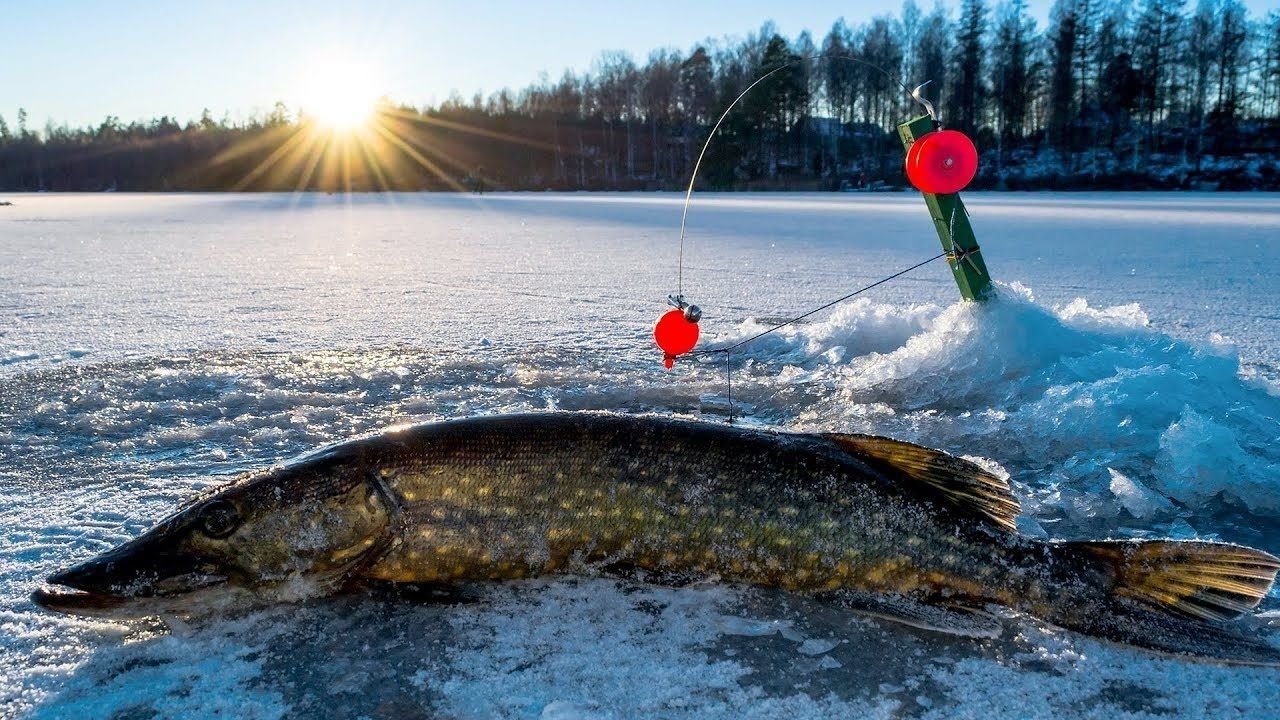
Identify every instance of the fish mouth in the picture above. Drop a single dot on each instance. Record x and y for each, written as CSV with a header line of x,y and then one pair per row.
x,y
81,588
80,602
120,576
62,594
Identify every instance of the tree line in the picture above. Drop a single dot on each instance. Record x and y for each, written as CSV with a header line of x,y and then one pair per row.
x,y
1111,93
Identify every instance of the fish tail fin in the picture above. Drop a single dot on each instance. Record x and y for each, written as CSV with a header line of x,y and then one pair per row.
x,y
1197,580
1173,596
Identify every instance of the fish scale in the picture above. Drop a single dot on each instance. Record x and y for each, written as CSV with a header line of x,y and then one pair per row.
x,y
660,495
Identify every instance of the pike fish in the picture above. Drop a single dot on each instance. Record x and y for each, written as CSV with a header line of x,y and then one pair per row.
x,y
883,527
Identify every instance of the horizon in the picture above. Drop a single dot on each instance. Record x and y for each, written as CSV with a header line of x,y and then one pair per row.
x,y
238,59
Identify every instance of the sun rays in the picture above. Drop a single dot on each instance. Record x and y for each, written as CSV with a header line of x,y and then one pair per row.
x,y
387,148
343,136
346,136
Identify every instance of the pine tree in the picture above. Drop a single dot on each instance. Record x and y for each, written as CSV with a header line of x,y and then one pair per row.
x,y
1097,55
838,71
967,99
1232,31
1012,72
1062,78
1199,59
1270,96
1157,39
780,102
932,48
1119,96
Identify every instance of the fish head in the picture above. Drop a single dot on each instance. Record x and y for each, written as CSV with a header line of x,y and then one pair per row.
x,y
313,522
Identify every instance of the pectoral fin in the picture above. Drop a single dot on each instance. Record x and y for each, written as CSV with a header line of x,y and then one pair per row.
x,y
961,620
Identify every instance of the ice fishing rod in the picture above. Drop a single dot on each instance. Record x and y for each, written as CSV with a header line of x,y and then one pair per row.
x,y
945,168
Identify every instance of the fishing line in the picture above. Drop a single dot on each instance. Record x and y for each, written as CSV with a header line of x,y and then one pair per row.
x,y
693,177
728,350
816,310
688,195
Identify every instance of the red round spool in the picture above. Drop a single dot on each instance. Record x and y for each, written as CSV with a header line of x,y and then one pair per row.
x,y
942,162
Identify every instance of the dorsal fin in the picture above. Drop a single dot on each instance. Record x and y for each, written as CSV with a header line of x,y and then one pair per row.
x,y
964,484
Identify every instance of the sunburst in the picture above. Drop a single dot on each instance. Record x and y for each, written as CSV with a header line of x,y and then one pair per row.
x,y
347,134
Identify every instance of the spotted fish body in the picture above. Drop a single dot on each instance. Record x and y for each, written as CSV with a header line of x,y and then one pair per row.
x,y
882,526
517,496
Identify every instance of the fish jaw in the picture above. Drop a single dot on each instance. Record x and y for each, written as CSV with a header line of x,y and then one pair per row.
x,y
127,575
77,602
212,601
154,564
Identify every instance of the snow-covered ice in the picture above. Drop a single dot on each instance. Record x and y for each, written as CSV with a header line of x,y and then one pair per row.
x,y
151,346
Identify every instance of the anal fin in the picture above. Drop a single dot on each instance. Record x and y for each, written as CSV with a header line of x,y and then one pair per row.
x,y
961,620
421,593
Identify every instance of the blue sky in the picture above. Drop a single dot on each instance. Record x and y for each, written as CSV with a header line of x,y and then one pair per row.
x,y
77,61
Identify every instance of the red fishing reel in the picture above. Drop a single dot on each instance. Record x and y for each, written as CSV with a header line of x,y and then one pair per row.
x,y
942,162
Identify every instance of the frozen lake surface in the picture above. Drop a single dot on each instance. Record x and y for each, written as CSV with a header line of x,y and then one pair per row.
x,y
152,346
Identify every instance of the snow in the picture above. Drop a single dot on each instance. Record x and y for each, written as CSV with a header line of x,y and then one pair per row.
x,y
1125,380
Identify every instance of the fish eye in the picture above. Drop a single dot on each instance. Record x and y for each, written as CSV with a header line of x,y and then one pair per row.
x,y
219,519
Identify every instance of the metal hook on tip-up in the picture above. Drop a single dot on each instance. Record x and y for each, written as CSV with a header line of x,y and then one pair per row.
x,y
920,98
692,313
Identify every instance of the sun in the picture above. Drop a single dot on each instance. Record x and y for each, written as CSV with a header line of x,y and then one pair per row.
x,y
348,132
339,91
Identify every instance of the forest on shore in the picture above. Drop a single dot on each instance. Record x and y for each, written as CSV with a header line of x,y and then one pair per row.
x,y
1110,94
